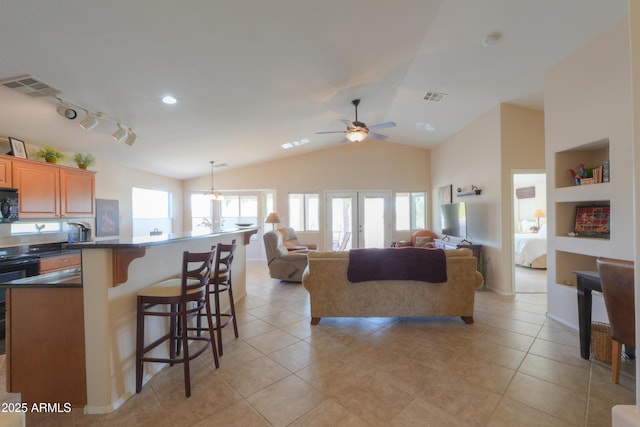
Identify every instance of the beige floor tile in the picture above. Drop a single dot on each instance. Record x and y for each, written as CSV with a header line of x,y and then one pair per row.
x,y
422,413
272,341
239,414
510,413
560,352
562,336
375,401
509,339
255,328
552,399
254,375
556,372
331,375
500,355
296,356
482,373
453,394
406,374
285,401
329,413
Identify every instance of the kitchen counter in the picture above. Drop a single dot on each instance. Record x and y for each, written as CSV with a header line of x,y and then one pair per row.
x,y
69,279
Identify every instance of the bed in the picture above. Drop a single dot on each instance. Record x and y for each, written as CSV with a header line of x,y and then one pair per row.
x,y
530,250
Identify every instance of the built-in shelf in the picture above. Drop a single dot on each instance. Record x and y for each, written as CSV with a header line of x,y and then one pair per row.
x,y
590,155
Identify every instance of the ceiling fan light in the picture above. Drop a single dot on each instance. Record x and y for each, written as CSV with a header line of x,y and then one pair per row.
x,y
120,134
357,135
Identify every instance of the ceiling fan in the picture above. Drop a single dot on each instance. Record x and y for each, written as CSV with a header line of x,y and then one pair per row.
x,y
358,131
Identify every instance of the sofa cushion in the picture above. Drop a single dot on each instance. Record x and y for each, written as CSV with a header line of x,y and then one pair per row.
x,y
408,263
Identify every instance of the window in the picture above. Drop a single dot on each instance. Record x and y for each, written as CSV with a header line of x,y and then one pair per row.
x,y
150,209
239,208
201,212
411,213
304,209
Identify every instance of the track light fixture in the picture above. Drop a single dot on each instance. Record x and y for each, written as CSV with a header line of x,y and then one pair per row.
x,y
65,111
90,121
131,137
120,134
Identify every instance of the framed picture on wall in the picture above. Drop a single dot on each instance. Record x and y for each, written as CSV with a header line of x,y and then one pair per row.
x,y
445,194
593,221
107,218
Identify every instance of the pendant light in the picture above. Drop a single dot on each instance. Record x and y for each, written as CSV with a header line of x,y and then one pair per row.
x,y
212,193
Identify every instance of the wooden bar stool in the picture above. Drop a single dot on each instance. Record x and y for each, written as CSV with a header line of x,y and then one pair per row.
x,y
221,282
185,297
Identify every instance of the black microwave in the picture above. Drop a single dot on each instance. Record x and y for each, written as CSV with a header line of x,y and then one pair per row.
x,y
9,205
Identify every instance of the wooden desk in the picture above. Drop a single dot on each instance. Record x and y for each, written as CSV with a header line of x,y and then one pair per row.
x,y
587,281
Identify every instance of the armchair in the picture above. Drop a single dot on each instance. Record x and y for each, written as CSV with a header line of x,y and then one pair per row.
x,y
283,264
422,238
291,241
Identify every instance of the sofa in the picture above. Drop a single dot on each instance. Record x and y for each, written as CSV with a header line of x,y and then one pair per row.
x,y
333,295
283,264
291,241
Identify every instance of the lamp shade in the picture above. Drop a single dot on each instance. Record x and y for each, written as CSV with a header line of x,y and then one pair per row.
x,y
539,213
272,218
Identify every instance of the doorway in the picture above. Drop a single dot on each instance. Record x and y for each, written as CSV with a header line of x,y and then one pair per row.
x,y
358,219
529,231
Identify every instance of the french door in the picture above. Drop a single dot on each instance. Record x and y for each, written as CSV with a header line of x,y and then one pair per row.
x,y
358,219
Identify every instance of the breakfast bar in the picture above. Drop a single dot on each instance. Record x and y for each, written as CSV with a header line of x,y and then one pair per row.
x,y
113,271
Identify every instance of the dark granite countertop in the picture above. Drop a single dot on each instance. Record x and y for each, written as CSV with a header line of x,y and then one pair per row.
x,y
146,241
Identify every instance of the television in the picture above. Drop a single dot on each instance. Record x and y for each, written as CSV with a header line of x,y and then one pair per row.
x,y
453,219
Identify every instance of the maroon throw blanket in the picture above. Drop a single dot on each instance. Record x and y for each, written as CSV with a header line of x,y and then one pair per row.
x,y
406,263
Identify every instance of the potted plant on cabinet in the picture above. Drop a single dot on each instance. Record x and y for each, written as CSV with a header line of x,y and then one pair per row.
x,y
50,155
84,160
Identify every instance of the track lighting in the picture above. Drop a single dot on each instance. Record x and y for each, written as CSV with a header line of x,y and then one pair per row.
x,y
120,134
90,121
131,138
65,111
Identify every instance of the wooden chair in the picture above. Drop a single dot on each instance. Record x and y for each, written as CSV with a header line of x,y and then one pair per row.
x,y
617,281
184,297
221,282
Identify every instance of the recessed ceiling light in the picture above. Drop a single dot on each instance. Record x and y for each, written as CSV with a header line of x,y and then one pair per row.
x,y
168,99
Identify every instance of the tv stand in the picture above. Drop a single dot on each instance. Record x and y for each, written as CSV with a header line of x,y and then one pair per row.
x,y
446,244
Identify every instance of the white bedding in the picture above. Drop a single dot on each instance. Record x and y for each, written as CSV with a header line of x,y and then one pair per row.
x,y
530,247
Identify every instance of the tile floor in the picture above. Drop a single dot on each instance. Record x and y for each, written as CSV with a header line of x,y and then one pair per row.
x,y
512,367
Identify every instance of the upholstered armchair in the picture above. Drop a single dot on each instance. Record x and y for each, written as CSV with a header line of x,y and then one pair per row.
x,y
291,241
420,238
283,264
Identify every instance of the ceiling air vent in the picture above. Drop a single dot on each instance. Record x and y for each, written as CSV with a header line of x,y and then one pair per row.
x,y
29,86
436,97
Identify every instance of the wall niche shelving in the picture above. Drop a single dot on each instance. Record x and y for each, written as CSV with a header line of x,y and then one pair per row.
x,y
590,155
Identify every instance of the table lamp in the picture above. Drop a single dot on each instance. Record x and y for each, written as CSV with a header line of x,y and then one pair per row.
x,y
538,214
273,219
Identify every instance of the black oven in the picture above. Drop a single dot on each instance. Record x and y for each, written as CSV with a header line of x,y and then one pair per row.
x,y
12,268
8,205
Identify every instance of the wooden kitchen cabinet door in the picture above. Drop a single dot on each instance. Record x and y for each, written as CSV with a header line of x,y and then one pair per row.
x,y
77,189
5,173
38,185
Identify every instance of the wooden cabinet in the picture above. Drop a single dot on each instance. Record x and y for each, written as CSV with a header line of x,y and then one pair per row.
x,y
77,193
59,263
45,359
51,191
38,186
5,173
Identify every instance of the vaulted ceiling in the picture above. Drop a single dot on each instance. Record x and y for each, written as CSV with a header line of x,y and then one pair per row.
x,y
251,75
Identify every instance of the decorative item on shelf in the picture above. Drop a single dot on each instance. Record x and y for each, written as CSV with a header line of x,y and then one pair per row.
x,y
592,221
50,155
593,175
84,160
475,191
273,219
155,232
17,148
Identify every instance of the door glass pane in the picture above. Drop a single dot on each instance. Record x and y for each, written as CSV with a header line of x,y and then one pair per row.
x,y
341,214
373,227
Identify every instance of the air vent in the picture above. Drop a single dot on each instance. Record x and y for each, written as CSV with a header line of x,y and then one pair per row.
x,y
436,97
29,86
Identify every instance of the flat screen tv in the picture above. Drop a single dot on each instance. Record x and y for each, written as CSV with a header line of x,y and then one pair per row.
x,y
453,218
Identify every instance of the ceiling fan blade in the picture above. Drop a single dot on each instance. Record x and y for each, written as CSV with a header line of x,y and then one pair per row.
x,y
346,122
333,131
382,125
377,136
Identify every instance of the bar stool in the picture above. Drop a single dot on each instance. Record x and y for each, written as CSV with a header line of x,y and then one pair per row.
x,y
185,296
221,282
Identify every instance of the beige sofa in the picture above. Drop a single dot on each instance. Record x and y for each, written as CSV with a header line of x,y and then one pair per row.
x,y
332,295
